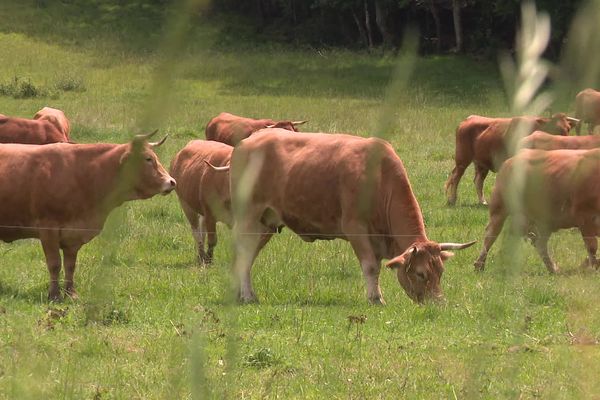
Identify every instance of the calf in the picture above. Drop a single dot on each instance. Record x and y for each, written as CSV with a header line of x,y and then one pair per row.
x,y
559,191
203,193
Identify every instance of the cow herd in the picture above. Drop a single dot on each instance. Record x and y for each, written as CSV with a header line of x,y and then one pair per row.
x,y
258,176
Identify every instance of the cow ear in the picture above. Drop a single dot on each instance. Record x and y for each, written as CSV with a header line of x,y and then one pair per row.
x,y
446,255
403,260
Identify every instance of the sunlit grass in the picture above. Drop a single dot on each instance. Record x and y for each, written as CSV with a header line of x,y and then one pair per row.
x,y
490,339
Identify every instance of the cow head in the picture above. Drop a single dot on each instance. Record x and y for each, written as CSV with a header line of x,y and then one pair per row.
x,y
558,124
420,267
289,125
142,166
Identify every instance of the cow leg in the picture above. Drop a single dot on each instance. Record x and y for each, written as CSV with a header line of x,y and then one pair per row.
x,y
492,231
588,233
196,223
51,247
541,245
249,239
452,183
370,265
480,175
70,256
210,225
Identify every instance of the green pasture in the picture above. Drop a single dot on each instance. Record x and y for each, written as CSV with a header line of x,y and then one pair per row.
x,y
153,324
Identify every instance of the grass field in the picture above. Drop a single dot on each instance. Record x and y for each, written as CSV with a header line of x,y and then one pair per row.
x,y
151,323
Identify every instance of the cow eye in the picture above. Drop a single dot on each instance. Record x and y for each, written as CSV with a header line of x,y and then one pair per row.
x,y
148,159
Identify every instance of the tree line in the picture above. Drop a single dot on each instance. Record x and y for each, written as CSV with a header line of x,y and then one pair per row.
x,y
472,26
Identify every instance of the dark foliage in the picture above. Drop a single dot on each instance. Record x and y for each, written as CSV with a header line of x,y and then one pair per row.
x,y
486,25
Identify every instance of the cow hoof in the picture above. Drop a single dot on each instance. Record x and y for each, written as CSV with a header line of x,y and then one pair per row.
x,y
479,266
554,269
451,203
204,261
54,297
377,301
72,294
251,299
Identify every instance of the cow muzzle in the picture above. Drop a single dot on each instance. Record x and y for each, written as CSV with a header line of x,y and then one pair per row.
x,y
168,186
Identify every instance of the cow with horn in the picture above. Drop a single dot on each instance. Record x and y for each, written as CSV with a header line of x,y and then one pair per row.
x,y
62,194
231,129
360,193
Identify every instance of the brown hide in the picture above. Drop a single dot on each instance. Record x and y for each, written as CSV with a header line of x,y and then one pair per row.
x,y
544,141
203,193
493,145
560,191
466,134
62,193
29,131
587,109
231,129
316,184
57,118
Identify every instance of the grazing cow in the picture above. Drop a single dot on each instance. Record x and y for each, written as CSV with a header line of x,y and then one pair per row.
x,y
494,144
560,191
587,108
30,131
231,129
544,141
56,117
202,192
318,185
62,194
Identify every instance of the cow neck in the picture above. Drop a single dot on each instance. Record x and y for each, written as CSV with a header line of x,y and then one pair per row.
x,y
405,220
108,189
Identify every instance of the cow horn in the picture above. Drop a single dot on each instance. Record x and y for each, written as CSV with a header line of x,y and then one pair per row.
x,y
224,168
571,119
156,144
145,136
456,246
299,122
270,126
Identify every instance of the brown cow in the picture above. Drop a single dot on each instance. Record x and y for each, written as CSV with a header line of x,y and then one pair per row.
x,y
494,144
466,134
202,192
62,194
57,117
587,108
30,131
231,129
544,141
286,180
559,191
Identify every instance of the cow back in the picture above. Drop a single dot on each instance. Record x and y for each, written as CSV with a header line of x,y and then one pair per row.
x,y
197,183
316,183
29,131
